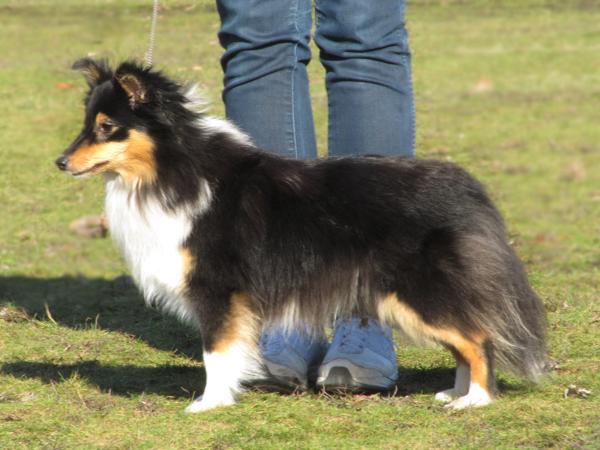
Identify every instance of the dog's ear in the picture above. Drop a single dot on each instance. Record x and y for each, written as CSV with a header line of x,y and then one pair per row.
x,y
94,71
135,81
134,88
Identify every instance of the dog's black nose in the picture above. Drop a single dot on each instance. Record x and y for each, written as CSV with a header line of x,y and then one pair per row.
x,y
61,162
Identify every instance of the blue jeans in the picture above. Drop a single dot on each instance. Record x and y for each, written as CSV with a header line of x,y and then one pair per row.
x,y
364,48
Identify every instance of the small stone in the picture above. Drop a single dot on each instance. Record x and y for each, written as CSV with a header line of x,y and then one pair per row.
x,y
90,226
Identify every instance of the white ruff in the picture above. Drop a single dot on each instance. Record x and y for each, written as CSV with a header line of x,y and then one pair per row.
x,y
151,239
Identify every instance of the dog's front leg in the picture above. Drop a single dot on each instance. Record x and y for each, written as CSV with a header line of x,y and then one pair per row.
x,y
230,353
225,371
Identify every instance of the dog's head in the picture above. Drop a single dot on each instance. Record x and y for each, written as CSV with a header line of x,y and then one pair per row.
x,y
126,111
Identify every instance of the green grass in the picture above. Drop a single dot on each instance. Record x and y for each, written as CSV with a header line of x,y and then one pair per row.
x,y
102,371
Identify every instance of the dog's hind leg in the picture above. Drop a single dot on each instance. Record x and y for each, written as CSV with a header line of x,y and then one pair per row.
x,y
230,355
474,370
474,384
461,380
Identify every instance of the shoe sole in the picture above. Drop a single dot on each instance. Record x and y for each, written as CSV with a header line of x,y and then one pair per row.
x,y
339,379
277,383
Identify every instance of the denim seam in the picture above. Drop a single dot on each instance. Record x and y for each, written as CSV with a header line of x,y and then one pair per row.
x,y
408,67
413,119
413,128
292,83
330,108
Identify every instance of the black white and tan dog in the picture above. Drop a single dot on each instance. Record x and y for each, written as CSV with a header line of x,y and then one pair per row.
x,y
229,237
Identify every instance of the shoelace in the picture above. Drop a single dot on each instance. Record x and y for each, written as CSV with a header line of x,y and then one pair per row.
x,y
353,338
271,343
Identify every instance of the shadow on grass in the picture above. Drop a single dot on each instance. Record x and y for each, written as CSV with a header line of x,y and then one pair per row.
x,y
184,382
429,381
111,304
115,305
168,380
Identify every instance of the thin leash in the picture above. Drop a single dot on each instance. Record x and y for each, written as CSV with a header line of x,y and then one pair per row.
x,y
150,52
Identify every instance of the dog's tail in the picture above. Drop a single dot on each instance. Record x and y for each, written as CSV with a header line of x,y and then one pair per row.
x,y
519,343
526,353
504,305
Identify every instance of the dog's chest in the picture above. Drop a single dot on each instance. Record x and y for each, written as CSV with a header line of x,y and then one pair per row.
x,y
151,240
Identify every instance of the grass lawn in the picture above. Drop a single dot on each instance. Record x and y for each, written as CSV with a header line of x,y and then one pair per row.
x,y
511,90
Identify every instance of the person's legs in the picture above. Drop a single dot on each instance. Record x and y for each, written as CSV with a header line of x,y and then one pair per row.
x,y
267,95
364,48
266,85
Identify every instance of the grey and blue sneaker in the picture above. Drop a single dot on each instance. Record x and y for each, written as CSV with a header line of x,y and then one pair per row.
x,y
361,357
288,359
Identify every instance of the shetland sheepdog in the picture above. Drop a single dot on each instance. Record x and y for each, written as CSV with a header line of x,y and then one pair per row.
x,y
229,237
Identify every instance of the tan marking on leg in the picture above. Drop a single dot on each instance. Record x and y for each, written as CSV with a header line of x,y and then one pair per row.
x,y
469,348
240,324
189,262
396,313
474,354
233,357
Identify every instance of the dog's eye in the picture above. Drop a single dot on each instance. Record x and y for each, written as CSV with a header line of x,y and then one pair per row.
x,y
106,127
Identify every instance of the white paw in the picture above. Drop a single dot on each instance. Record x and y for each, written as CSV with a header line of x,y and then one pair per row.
x,y
446,396
204,403
471,400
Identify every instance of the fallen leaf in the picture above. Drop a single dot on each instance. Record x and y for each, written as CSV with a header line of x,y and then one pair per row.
x,y
553,364
146,406
4,397
440,150
8,417
27,396
363,396
575,171
13,315
483,85
574,391
62,85
544,237
24,236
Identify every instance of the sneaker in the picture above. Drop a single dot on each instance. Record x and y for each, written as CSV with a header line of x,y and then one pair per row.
x,y
361,357
288,359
